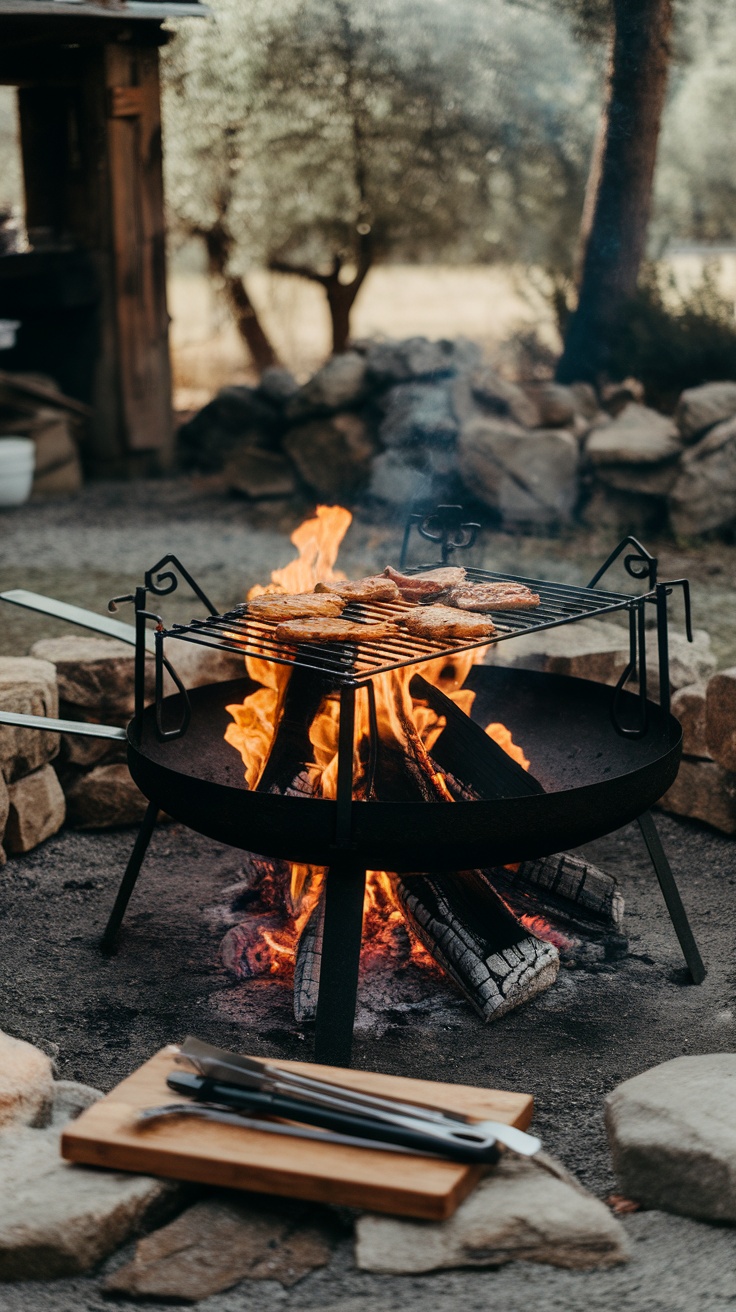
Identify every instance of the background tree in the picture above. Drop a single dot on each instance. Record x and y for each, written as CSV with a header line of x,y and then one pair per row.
x,y
321,136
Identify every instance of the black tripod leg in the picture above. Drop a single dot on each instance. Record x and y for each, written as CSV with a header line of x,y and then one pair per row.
x,y
127,884
671,895
338,975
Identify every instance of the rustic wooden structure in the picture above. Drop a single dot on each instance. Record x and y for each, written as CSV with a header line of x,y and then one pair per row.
x,y
90,291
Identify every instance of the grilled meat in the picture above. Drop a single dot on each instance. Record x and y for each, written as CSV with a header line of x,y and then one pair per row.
x,y
370,589
439,623
422,587
491,596
334,630
294,606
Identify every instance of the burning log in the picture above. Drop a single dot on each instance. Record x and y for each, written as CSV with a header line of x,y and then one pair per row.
x,y
568,889
247,950
307,964
474,937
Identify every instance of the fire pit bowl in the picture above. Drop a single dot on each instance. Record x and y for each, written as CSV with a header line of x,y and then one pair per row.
x,y
595,781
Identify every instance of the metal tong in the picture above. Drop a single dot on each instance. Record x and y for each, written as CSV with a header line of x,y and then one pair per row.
x,y
230,1082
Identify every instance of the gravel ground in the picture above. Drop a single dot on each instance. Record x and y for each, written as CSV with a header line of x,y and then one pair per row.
x,y
101,1017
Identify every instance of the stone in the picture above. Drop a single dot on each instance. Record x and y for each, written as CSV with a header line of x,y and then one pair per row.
x,y
78,750
597,650
418,414
672,1134
332,455
688,706
338,385
277,385
689,662
197,666
615,396
106,798
53,440
58,1219
699,408
220,1241
623,512
637,436
704,496
26,1084
237,417
526,1209
492,394
37,810
720,718
63,481
586,400
528,476
555,403
703,791
260,475
392,362
96,675
396,481
27,687
71,1099
656,480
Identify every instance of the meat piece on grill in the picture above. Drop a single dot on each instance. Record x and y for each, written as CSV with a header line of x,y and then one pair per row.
x,y
370,589
334,630
439,623
491,596
294,606
422,587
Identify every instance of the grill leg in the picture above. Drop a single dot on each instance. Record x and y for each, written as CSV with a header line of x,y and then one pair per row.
x,y
671,894
127,884
338,976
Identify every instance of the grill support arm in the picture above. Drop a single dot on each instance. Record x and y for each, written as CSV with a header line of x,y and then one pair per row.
x,y
671,895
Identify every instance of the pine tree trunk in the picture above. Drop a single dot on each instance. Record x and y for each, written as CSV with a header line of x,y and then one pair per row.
x,y
249,326
618,231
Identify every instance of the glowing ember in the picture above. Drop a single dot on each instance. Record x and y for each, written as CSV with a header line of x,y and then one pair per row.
x,y
400,719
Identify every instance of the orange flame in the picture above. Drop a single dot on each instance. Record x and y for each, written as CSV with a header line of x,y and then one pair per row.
x,y
399,719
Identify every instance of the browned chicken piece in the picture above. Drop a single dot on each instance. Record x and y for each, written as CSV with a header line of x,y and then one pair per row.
x,y
424,586
491,596
370,589
333,630
439,623
294,606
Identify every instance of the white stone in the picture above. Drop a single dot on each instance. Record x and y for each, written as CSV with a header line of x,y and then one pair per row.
x,y
27,687
528,476
339,383
37,810
58,1219
637,436
699,408
26,1083
672,1132
525,1209
704,496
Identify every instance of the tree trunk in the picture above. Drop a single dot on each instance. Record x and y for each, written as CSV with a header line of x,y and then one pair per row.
x,y
340,298
262,353
618,231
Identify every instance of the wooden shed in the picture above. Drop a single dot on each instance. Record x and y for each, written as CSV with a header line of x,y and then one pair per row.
x,y
90,290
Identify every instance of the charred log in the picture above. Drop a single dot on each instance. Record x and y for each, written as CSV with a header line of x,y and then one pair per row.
x,y
247,949
474,937
307,964
568,889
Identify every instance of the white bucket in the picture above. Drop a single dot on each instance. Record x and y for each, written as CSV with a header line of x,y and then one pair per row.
x,y
17,462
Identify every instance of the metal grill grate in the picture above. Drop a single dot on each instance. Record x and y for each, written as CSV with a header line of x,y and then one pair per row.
x,y
355,662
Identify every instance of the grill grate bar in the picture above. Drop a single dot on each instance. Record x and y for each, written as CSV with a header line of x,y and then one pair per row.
x,y
238,632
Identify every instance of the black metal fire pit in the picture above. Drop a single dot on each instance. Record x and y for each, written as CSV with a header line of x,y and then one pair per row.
x,y
600,757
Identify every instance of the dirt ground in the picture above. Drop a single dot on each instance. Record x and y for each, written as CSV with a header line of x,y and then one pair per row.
x,y
102,1016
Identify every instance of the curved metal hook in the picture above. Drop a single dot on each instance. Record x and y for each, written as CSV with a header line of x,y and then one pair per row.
x,y
640,564
162,661
161,581
637,632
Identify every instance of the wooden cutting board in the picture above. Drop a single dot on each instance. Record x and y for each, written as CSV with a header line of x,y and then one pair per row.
x,y
399,1183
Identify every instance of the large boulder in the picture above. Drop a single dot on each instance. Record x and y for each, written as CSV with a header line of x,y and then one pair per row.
x,y
672,1133
333,456
703,791
106,798
688,706
720,718
37,810
699,408
260,475
397,481
556,404
527,476
531,1210
27,687
277,386
637,436
704,495
338,385
26,1084
95,675
418,414
612,510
